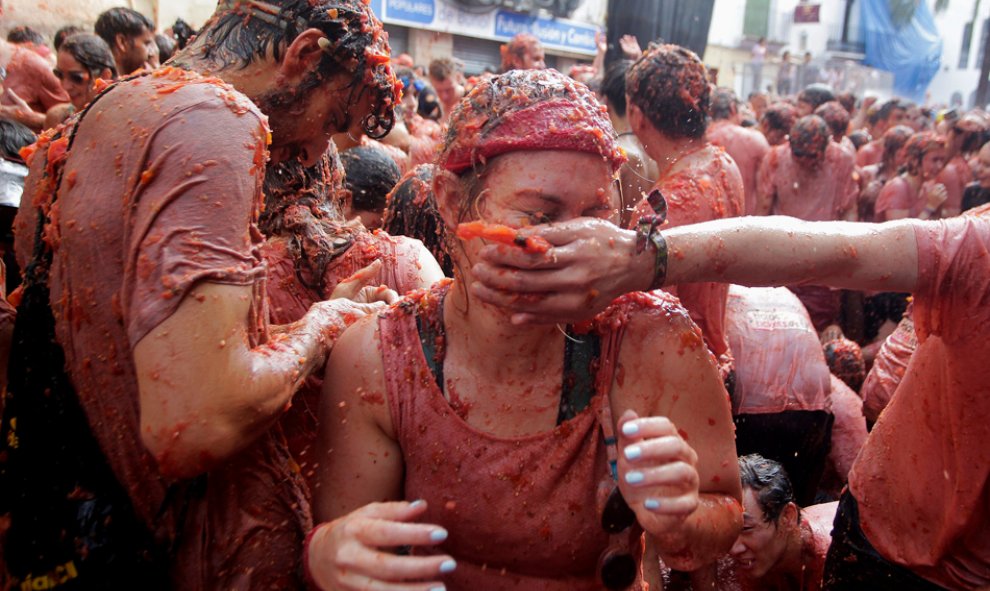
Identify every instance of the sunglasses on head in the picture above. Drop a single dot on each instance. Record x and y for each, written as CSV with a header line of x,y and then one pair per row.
x,y
74,77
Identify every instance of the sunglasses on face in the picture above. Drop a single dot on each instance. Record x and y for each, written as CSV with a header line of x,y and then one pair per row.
x,y
74,77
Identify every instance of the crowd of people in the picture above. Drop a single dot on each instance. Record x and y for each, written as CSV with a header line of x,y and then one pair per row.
x,y
282,310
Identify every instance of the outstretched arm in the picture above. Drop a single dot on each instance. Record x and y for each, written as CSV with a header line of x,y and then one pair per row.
x,y
592,261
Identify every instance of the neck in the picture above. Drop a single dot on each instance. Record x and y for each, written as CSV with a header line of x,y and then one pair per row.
x,y
791,565
487,335
666,152
252,80
620,124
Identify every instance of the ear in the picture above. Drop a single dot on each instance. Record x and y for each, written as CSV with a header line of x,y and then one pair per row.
x,y
106,74
121,42
303,54
635,116
447,188
789,514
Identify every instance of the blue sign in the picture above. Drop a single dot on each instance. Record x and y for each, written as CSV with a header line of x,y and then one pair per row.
x,y
413,11
376,7
567,34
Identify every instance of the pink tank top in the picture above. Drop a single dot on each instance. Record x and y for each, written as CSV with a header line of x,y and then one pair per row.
x,y
521,512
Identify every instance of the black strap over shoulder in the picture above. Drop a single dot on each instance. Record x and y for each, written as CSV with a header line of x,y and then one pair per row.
x,y
580,356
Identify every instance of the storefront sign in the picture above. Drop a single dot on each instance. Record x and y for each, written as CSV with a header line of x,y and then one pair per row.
x,y
497,25
807,13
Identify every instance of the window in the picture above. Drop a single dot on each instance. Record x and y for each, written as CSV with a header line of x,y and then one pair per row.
x,y
756,18
983,41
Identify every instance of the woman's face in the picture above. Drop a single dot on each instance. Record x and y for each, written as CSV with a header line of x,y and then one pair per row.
x,y
536,187
932,163
75,79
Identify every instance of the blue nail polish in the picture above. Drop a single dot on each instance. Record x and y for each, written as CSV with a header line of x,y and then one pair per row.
x,y
438,535
630,429
448,566
634,477
651,504
440,588
633,452
417,504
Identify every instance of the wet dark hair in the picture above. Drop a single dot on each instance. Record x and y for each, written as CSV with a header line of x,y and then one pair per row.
x,y
894,140
121,21
809,136
182,32
669,83
64,33
836,117
244,33
885,111
301,205
859,138
25,34
614,86
369,174
166,47
816,95
769,482
13,137
724,103
91,52
427,104
411,211
780,116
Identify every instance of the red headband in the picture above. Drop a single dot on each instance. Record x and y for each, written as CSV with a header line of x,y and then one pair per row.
x,y
554,124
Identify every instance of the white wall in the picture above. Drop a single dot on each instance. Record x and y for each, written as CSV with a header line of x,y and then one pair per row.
x,y
950,78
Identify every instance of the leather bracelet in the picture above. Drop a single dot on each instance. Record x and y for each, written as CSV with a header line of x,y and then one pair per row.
x,y
648,232
660,261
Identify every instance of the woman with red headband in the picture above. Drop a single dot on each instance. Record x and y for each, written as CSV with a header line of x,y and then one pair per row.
x,y
521,457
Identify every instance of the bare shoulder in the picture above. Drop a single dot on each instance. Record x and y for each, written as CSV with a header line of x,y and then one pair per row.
x,y
355,375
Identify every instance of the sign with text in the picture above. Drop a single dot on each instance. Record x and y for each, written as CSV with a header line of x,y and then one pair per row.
x,y
497,25
807,13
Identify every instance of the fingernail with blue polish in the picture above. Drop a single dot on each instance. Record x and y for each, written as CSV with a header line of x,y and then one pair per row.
x,y
630,429
633,452
440,588
438,535
448,566
651,504
634,477
417,504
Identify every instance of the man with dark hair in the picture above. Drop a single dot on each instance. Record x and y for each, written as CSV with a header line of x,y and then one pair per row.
x,y
890,114
812,97
668,101
781,546
746,146
810,177
837,118
158,290
369,175
639,172
131,37
447,78
777,121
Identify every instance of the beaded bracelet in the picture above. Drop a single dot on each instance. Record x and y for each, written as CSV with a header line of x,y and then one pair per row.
x,y
648,232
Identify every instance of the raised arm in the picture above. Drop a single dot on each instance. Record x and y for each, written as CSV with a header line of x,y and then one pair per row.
x,y
677,464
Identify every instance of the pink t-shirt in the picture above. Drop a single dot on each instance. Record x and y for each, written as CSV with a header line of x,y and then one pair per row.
x,y
815,194
161,191
899,194
923,478
31,77
710,192
779,361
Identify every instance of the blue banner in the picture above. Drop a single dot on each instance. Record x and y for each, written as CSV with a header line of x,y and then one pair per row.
x,y
570,35
912,51
376,7
412,11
